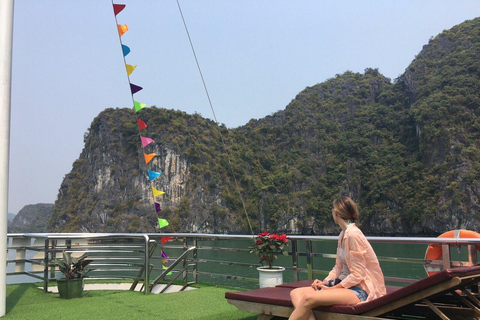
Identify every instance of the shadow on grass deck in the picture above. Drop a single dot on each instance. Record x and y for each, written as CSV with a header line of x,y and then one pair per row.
x,y
26,301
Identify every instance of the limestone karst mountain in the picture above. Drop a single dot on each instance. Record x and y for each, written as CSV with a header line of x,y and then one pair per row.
x,y
407,150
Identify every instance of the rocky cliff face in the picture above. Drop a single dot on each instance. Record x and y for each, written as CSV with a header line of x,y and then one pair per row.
x,y
108,189
408,152
32,218
442,84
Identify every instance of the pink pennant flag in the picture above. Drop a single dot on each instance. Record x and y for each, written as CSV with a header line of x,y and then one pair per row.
x,y
146,141
117,8
141,125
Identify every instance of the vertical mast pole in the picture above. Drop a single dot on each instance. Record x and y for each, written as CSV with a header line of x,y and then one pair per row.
x,y
6,40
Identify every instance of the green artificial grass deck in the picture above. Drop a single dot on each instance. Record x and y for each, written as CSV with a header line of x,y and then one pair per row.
x,y
26,301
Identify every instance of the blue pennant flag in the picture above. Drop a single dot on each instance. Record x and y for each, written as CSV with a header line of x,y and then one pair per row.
x,y
153,175
126,50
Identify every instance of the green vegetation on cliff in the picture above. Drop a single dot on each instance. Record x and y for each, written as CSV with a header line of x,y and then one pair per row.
x,y
408,151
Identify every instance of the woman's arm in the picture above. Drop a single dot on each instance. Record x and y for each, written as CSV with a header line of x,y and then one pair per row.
x,y
337,268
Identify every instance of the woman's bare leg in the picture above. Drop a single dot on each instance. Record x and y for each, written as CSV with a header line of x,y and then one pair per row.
x,y
303,309
297,294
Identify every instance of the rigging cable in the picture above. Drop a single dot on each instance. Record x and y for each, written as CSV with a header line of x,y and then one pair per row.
x,y
215,118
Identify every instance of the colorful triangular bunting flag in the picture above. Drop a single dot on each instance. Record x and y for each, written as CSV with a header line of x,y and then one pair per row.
x,y
135,88
149,157
156,192
157,207
122,28
117,8
165,240
162,223
165,268
152,175
126,50
141,125
146,141
130,69
139,106
165,257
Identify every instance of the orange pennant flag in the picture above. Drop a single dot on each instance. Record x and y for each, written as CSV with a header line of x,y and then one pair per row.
x,y
149,157
130,69
122,28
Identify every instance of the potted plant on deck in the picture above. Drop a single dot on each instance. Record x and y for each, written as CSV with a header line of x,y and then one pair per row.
x,y
74,270
268,246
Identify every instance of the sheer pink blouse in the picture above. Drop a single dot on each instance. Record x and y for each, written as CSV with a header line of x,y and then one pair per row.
x,y
362,261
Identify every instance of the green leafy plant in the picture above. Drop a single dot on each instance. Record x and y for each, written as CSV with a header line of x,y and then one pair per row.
x,y
267,246
73,268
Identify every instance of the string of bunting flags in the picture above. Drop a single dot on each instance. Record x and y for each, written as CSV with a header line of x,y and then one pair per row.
x,y
145,141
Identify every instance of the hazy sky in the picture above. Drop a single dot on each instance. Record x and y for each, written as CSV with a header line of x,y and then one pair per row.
x,y
256,57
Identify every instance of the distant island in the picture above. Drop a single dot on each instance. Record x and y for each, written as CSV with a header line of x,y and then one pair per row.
x,y
31,218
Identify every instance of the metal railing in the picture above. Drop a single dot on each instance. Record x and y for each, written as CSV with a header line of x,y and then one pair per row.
x,y
213,256
111,260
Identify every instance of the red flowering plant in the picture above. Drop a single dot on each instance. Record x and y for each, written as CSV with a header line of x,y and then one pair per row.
x,y
267,246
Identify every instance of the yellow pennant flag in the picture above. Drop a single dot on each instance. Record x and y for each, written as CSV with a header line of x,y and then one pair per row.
x,y
122,28
130,69
157,192
149,157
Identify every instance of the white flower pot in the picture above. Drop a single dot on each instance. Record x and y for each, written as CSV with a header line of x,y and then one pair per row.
x,y
270,277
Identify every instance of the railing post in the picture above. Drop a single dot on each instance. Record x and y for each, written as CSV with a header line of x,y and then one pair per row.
x,y
45,267
295,260
308,245
53,255
185,247
472,254
446,256
20,245
147,265
195,244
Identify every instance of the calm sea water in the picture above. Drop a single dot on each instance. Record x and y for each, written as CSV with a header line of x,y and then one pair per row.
x,y
322,266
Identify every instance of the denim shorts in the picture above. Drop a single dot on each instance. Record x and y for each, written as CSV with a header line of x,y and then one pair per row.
x,y
361,294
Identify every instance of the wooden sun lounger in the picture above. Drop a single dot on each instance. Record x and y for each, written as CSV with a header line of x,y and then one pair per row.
x,y
448,295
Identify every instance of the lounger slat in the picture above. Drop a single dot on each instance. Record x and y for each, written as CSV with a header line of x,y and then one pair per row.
x,y
437,311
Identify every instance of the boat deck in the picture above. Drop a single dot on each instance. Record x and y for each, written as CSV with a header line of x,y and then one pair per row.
x,y
26,301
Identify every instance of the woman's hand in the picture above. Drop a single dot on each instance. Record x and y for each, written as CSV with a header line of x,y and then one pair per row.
x,y
317,284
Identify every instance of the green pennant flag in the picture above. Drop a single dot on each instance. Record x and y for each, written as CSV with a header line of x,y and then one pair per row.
x,y
139,106
165,268
162,223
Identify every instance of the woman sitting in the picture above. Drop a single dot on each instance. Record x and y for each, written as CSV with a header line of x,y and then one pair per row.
x,y
356,276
